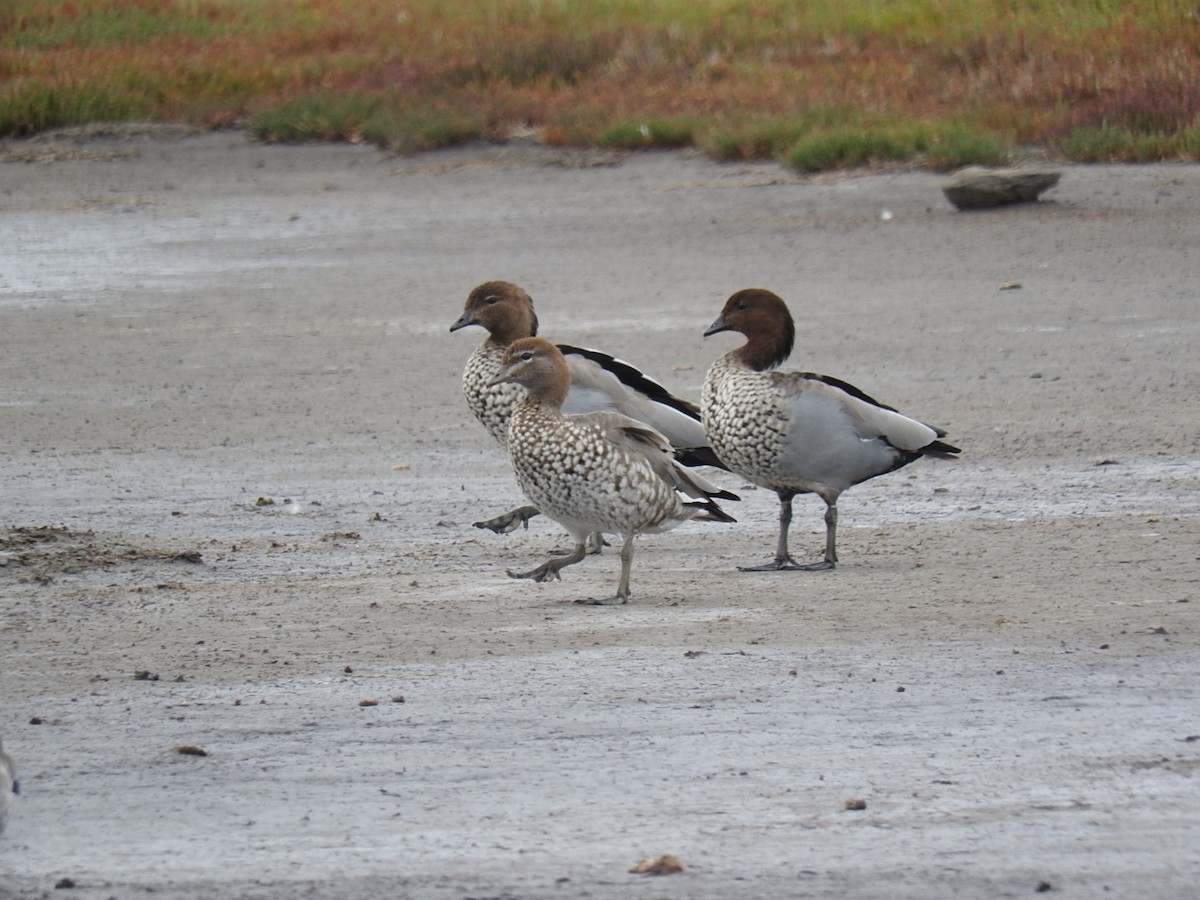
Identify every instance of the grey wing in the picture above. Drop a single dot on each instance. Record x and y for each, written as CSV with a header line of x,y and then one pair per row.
x,y
866,420
597,388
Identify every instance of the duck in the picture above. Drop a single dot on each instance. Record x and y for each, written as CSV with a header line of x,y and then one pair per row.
x,y
799,432
8,785
593,472
599,383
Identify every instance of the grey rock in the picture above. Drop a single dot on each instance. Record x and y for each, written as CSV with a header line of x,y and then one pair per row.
x,y
976,187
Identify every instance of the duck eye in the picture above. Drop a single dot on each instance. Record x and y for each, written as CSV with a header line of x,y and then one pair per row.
x,y
527,355
491,299
741,304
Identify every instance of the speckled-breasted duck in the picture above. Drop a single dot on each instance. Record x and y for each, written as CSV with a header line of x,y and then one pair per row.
x,y
599,383
596,472
797,432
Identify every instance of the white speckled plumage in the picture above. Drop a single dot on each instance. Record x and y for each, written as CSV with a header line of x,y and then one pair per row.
x,y
493,405
599,383
797,432
596,472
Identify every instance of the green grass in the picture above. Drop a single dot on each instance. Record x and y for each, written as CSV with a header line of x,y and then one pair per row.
x,y
41,107
850,148
819,84
648,134
319,117
1110,143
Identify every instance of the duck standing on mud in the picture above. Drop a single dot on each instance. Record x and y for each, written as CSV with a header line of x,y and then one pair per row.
x,y
797,432
599,383
598,472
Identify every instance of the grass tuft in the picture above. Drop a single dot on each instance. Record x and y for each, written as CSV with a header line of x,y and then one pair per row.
x,y
849,148
648,134
430,130
316,117
28,107
955,145
760,141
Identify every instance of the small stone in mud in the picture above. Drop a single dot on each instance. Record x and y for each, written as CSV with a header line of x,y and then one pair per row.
x,y
856,804
144,675
64,883
368,702
341,535
264,501
667,864
398,698
190,750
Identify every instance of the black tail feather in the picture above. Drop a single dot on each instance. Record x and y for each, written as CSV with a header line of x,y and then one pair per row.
x,y
710,512
699,456
941,450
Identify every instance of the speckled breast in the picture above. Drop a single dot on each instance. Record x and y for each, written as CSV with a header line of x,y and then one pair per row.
x,y
575,476
744,420
492,406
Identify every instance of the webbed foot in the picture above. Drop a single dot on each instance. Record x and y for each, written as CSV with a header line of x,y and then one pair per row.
x,y
510,521
547,571
787,564
608,601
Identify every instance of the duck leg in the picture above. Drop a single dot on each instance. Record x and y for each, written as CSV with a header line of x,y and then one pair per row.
x,y
623,585
595,546
783,561
519,517
830,560
548,570
510,521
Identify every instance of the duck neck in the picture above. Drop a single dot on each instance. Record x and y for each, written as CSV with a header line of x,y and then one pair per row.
x,y
763,353
550,395
520,323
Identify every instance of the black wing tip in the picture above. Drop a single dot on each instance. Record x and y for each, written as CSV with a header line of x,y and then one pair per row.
x,y
635,378
699,456
708,511
850,389
942,450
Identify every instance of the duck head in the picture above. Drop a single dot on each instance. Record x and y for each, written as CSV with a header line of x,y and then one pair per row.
x,y
765,321
501,307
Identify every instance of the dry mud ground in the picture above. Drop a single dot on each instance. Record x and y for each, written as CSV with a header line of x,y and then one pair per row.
x,y
1005,668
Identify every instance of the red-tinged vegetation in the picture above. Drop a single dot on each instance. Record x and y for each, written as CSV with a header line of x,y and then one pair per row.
x,y
737,78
